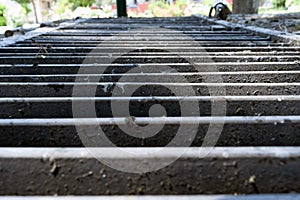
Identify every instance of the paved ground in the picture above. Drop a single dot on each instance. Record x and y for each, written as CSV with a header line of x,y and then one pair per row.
x,y
282,22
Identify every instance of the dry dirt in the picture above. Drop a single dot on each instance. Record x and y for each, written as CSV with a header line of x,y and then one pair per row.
x,y
289,22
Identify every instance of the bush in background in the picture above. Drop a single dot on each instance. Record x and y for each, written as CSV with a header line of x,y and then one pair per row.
x,y
2,18
279,3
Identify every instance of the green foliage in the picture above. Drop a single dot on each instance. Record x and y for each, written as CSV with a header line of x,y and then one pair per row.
x,y
208,2
19,19
105,2
2,18
18,23
162,9
278,3
26,8
290,6
23,1
159,3
81,3
2,9
63,6
24,4
15,16
289,3
181,3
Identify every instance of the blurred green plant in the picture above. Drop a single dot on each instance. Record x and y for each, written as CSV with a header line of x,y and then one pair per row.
x,y
290,3
63,6
80,3
162,9
181,3
2,18
14,16
24,4
290,6
279,3
208,2
158,4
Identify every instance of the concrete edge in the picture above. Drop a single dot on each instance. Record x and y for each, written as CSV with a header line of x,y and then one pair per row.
x,y
37,32
275,35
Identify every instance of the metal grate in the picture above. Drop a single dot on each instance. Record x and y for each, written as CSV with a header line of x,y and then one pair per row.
x,y
257,147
